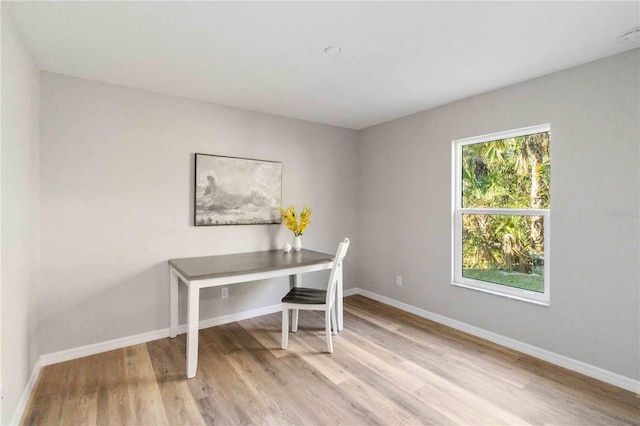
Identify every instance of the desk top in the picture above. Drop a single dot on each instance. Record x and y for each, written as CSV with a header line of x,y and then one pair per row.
x,y
200,268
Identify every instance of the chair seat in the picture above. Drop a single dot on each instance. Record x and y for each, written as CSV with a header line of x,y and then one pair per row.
x,y
310,296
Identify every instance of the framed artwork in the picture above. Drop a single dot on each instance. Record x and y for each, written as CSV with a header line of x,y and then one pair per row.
x,y
236,191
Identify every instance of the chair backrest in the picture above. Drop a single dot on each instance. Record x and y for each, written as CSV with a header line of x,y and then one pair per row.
x,y
336,272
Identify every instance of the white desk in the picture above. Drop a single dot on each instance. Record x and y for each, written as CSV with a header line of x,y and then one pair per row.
x,y
213,271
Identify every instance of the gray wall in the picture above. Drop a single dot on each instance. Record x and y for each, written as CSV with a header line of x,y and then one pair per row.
x,y
117,195
20,228
405,202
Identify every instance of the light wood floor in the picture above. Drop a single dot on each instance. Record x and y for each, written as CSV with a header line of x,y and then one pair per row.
x,y
388,367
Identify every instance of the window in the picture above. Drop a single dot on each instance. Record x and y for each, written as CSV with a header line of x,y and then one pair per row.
x,y
501,211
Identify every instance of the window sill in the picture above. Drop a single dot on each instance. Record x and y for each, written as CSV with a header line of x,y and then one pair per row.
x,y
507,295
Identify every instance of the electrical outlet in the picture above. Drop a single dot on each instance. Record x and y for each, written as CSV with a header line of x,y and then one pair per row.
x,y
398,280
224,292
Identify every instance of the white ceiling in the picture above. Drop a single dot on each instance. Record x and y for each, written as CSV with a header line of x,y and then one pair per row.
x,y
397,57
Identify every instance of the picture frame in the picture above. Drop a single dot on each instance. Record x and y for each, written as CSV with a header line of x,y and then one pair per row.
x,y
236,191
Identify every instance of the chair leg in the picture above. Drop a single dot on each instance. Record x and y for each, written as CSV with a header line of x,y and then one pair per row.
x,y
285,327
334,321
294,320
327,326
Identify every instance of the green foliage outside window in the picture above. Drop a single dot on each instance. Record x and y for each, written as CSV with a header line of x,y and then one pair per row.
x,y
509,173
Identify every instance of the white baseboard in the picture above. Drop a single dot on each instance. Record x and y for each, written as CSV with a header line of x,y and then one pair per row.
x,y
96,348
24,399
543,354
350,292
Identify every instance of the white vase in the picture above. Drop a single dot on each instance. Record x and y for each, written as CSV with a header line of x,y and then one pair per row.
x,y
297,243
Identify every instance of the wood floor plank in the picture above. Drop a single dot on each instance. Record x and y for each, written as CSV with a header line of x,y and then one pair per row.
x,y
388,367
280,373
179,403
144,392
379,361
394,390
386,323
379,404
46,402
228,390
81,403
261,329
460,363
279,405
114,403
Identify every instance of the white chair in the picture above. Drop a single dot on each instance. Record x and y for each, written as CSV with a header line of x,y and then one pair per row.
x,y
316,300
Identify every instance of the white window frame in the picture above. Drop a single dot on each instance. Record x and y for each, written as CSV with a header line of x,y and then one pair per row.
x,y
457,211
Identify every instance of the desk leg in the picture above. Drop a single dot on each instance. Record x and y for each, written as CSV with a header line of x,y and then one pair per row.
x,y
339,296
193,315
294,281
173,303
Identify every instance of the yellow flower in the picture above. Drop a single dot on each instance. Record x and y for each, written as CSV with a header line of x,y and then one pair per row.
x,y
291,219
